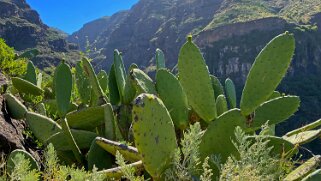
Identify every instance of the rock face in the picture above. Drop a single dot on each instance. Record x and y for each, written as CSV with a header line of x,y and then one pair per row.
x,y
22,29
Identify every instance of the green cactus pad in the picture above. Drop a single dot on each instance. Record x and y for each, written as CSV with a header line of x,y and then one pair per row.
x,y
171,92
124,119
275,111
281,147
31,74
98,157
267,72
305,128
114,96
103,80
129,153
221,105
82,138
63,88
230,92
154,133
89,70
221,132
109,120
120,73
196,81
314,176
14,107
11,165
143,83
26,87
217,86
117,173
160,59
41,109
83,84
304,169
86,119
42,127
303,137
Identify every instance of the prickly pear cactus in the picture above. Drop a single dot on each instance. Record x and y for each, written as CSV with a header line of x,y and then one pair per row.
x,y
303,137
130,153
305,128
304,169
11,165
269,68
103,80
109,122
120,73
217,86
82,138
196,81
26,87
86,119
124,117
39,80
83,84
31,75
114,96
220,132
89,70
221,105
314,176
173,96
143,83
41,126
63,88
230,92
154,133
160,59
15,108
274,111
98,157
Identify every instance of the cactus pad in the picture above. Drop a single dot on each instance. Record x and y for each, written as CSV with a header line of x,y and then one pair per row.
x,y
26,87
143,83
196,81
314,176
173,96
82,138
120,73
114,96
303,137
103,80
154,133
275,111
41,126
15,108
86,119
83,84
304,169
129,153
160,59
217,86
11,165
98,157
221,105
63,88
31,74
230,93
267,72
221,132
305,128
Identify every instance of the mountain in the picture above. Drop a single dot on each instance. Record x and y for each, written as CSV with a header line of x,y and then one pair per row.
x,y
22,28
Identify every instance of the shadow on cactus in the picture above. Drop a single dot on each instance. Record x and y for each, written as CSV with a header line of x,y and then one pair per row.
x,y
169,128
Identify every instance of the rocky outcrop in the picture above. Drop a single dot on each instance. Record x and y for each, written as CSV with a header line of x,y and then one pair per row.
x,y
22,29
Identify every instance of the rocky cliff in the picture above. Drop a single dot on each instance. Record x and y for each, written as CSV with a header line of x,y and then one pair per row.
x,y
22,28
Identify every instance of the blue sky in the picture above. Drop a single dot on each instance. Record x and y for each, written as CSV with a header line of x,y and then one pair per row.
x,y
70,15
